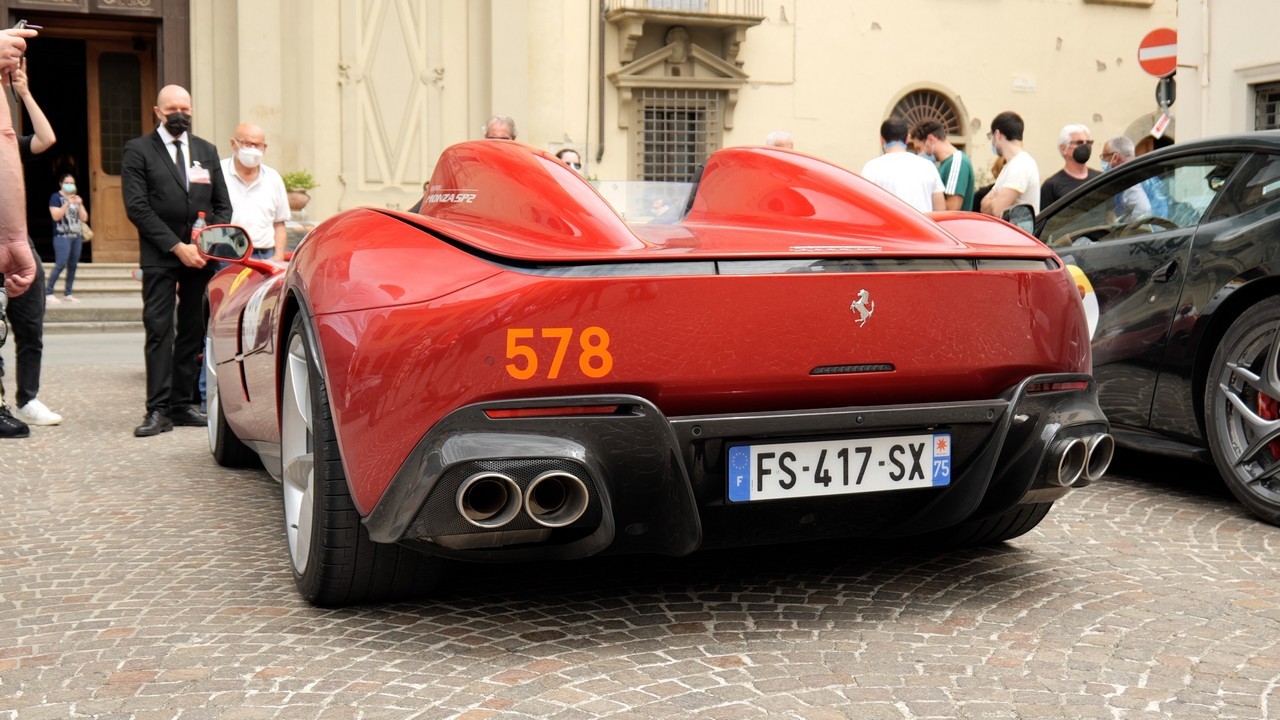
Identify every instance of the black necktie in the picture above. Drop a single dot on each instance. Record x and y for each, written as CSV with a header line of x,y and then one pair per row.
x,y
181,162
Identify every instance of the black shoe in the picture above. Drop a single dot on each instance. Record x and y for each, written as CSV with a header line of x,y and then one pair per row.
x,y
154,423
10,426
188,415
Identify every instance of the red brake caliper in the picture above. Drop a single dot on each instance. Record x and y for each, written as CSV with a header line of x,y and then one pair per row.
x,y
1269,409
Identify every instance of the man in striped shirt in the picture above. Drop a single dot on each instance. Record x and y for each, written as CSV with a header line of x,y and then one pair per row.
x,y
929,140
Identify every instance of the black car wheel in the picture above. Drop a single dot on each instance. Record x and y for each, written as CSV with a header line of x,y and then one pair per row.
x,y
227,448
334,560
1242,409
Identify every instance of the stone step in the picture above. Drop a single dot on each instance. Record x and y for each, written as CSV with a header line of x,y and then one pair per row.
x,y
94,311
110,300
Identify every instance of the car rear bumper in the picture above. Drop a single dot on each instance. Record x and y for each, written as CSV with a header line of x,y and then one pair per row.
x,y
654,484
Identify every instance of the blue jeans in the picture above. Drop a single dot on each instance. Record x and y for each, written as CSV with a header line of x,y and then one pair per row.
x,y
66,254
264,253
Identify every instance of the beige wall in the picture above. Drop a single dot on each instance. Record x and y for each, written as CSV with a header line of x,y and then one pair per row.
x,y
366,98
1224,48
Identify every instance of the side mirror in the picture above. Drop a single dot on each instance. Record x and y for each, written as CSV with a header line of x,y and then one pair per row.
x,y
1021,217
224,242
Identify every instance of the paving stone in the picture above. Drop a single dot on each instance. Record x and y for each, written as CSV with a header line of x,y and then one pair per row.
x,y
140,580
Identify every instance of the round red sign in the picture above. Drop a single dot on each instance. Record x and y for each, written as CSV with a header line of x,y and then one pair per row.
x,y
1158,52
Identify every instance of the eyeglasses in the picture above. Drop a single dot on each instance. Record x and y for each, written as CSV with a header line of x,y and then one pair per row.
x,y
575,166
251,145
1074,143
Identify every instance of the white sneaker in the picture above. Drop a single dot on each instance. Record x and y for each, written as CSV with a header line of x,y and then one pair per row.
x,y
35,413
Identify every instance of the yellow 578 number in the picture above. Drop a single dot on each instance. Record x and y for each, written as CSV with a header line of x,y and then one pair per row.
x,y
594,359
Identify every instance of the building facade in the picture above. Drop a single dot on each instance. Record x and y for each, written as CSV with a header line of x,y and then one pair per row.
x,y
1228,67
365,94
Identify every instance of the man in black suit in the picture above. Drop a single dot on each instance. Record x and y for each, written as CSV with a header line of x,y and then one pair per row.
x,y
169,176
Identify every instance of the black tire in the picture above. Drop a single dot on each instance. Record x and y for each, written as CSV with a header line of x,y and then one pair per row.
x,y
340,564
1019,520
227,448
1243,433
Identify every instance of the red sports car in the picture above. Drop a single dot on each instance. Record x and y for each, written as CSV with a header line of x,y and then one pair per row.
x,y
519,374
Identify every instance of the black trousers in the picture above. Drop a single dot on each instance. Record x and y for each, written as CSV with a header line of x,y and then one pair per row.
x,y
174,321
26,321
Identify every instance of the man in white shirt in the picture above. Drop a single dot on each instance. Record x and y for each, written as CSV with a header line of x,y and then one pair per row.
x,y
260,204
907,175
1019,181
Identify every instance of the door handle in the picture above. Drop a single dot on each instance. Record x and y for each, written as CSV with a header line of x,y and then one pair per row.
x,y
1165,272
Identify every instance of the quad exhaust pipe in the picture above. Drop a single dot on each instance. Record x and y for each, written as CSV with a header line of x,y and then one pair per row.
x,y
554,499
1080,461
1102,447
489,499
1071,455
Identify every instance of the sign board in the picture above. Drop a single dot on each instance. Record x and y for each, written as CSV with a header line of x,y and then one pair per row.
x,y
1158,52
1161,125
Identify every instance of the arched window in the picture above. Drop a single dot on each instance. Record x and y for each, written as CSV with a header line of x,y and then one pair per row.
x,y
919,105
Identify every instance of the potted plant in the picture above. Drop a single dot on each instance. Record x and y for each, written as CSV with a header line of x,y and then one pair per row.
x,y
297,183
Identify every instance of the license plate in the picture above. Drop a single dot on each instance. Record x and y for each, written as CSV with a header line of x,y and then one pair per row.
x,y
780,471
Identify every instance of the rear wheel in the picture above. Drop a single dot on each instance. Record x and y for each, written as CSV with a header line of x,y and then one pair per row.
x,y
1242,409
334,560
227,448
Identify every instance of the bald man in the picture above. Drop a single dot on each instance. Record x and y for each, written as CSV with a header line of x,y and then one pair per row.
x,y
169,176
258,198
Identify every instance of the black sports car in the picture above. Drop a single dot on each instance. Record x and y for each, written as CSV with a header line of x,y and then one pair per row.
x,y
1178,252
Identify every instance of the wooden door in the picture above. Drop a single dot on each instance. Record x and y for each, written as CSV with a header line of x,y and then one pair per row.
x,y
122,91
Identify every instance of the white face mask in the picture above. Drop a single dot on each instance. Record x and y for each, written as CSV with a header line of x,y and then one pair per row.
x,y
249,157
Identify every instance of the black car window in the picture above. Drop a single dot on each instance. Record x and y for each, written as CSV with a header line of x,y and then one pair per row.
x,y
1166,196
1258,184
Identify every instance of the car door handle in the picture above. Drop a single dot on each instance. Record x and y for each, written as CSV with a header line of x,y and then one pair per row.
x,y
1165,272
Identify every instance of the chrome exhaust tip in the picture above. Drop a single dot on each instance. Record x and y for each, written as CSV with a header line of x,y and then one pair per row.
x,y
1102,448
488,499
556,498
1072,455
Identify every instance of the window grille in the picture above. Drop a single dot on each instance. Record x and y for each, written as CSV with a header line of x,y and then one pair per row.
x,y
1267,107
921,105
678,130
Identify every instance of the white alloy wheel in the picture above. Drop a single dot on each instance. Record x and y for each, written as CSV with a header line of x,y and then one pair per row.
x,y
211,393
297,453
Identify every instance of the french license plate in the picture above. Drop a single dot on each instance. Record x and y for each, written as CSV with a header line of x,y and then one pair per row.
x,y
779,471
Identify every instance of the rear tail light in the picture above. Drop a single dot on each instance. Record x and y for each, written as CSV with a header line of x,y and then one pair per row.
x,y
537,412
1044,387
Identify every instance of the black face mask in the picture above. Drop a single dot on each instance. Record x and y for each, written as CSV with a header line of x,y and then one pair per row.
x,y
177,123
1081,153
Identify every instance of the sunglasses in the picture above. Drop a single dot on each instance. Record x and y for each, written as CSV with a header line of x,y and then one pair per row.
x,y
575,166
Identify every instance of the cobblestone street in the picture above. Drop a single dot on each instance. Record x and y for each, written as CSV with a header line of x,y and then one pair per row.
x,y
140,580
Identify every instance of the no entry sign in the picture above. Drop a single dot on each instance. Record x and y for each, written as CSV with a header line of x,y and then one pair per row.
x,y
1158,52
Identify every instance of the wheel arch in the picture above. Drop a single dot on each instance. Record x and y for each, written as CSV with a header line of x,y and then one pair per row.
x,y
1226,311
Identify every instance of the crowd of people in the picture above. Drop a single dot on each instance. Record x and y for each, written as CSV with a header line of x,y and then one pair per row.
x,y
172,183
172,179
